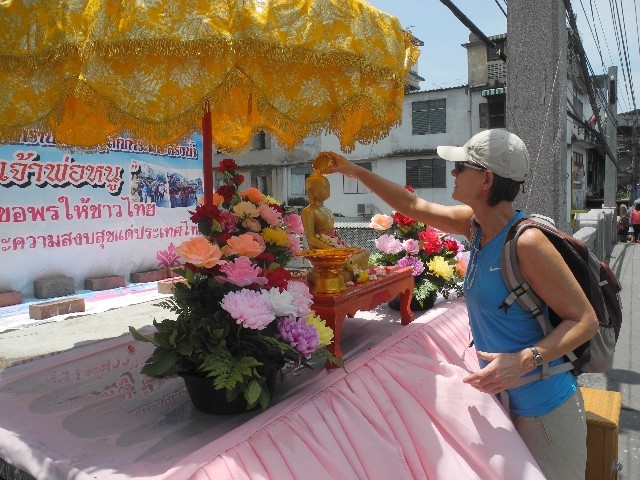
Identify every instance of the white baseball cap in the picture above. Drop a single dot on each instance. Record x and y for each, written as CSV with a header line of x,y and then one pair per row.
x,y
498,150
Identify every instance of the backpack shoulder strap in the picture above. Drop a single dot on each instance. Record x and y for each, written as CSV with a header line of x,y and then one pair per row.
x,y
520,291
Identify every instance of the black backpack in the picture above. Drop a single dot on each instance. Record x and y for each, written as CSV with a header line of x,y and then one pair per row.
x,y
598,282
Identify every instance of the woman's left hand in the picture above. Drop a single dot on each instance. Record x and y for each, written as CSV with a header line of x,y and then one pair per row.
x,y
502,372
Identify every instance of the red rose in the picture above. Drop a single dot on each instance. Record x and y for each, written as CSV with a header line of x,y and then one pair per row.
x,y
238,179
221,238
266,257
204,212
410,188
277,208
227,164
402,220
451,245
278,278
226,192
431,241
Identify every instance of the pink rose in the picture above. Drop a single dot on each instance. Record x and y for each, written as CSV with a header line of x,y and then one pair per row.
x,y
270,215
200,252
411,246
388,244
381,222
293,223
241,272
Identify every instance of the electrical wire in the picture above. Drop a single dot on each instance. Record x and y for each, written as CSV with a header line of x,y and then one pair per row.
x,y
500,7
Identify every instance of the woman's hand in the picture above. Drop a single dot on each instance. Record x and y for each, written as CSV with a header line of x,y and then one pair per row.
x,y
502,372
341,165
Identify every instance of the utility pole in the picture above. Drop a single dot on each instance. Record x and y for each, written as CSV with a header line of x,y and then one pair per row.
x,y
537,102
611,135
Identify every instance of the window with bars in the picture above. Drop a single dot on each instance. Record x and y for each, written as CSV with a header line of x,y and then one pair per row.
x,y
427,173
429,116
492,113
352,185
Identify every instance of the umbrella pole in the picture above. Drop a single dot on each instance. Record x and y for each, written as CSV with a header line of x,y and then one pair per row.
x,y
207,158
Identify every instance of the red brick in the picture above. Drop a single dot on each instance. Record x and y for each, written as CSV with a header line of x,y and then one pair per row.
x,y
12,297
40,311
148,276
105,283
166,286
173,271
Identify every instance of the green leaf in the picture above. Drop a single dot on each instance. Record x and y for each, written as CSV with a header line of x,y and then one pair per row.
x,y
160,363
253,391
143,338
265,398
205,226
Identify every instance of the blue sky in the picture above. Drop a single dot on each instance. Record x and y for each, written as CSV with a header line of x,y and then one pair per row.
x,y
443,62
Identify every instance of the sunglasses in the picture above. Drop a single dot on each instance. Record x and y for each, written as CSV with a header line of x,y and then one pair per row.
x,y
460,166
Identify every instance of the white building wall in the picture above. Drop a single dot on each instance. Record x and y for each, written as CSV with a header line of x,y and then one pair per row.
x,y
388,156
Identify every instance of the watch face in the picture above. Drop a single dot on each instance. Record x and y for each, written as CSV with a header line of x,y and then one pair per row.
x,y
538,360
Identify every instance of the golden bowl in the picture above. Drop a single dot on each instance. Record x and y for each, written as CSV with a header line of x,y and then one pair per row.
x,y
329,265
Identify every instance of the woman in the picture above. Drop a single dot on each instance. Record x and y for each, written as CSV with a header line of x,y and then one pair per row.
x,y
635,221
623,223
489,170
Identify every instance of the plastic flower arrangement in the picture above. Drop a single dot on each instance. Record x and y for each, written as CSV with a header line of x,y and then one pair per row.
x,y
240,315
439,261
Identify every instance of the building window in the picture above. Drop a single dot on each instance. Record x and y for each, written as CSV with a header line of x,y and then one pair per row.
x,y
260,141
492,113
492,55
427,173
261,180
352,185
429,116
298,176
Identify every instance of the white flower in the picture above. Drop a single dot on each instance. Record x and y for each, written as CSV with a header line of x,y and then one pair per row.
x,y
281,303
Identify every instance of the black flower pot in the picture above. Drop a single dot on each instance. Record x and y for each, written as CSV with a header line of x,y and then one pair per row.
x,y
207,399
415,305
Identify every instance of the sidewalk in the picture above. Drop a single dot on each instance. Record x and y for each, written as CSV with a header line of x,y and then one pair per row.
x,y
625,375
78,329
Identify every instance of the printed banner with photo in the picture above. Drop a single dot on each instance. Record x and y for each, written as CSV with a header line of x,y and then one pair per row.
x,y
119,210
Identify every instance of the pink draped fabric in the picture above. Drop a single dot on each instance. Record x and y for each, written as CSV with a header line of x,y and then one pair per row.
x,y
401,412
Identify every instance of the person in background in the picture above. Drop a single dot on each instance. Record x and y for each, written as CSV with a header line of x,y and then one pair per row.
x,y
635,221
489,171
623,223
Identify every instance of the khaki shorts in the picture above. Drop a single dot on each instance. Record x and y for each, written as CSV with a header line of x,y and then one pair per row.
x,y
558,439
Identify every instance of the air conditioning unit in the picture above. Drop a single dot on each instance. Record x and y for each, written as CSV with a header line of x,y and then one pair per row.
x,y
365,208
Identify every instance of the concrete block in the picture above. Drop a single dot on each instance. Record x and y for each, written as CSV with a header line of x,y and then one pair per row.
x,y
59,286
166,286
105,283
148,276
12,297
40,311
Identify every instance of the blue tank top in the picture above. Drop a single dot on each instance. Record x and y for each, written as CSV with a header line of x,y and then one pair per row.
x,y
497,331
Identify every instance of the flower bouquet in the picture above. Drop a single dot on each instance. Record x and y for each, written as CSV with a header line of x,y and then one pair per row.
x,y
241,316
439,261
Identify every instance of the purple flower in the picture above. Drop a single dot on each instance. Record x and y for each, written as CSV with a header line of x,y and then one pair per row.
x,y
415,262
304,338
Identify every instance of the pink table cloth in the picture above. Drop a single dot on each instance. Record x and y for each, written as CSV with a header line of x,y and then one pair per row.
x,y
401,411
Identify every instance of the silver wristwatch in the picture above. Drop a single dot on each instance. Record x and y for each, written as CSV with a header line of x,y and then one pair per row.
x,y
537,358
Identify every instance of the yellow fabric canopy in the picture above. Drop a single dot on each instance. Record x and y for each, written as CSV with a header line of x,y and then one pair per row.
x,y
90,69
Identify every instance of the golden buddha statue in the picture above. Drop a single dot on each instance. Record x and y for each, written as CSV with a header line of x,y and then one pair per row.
x,y
319,223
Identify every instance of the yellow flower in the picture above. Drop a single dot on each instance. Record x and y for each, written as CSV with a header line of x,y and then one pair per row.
x,y
363,276
439,266
275,236
325,333
270,200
